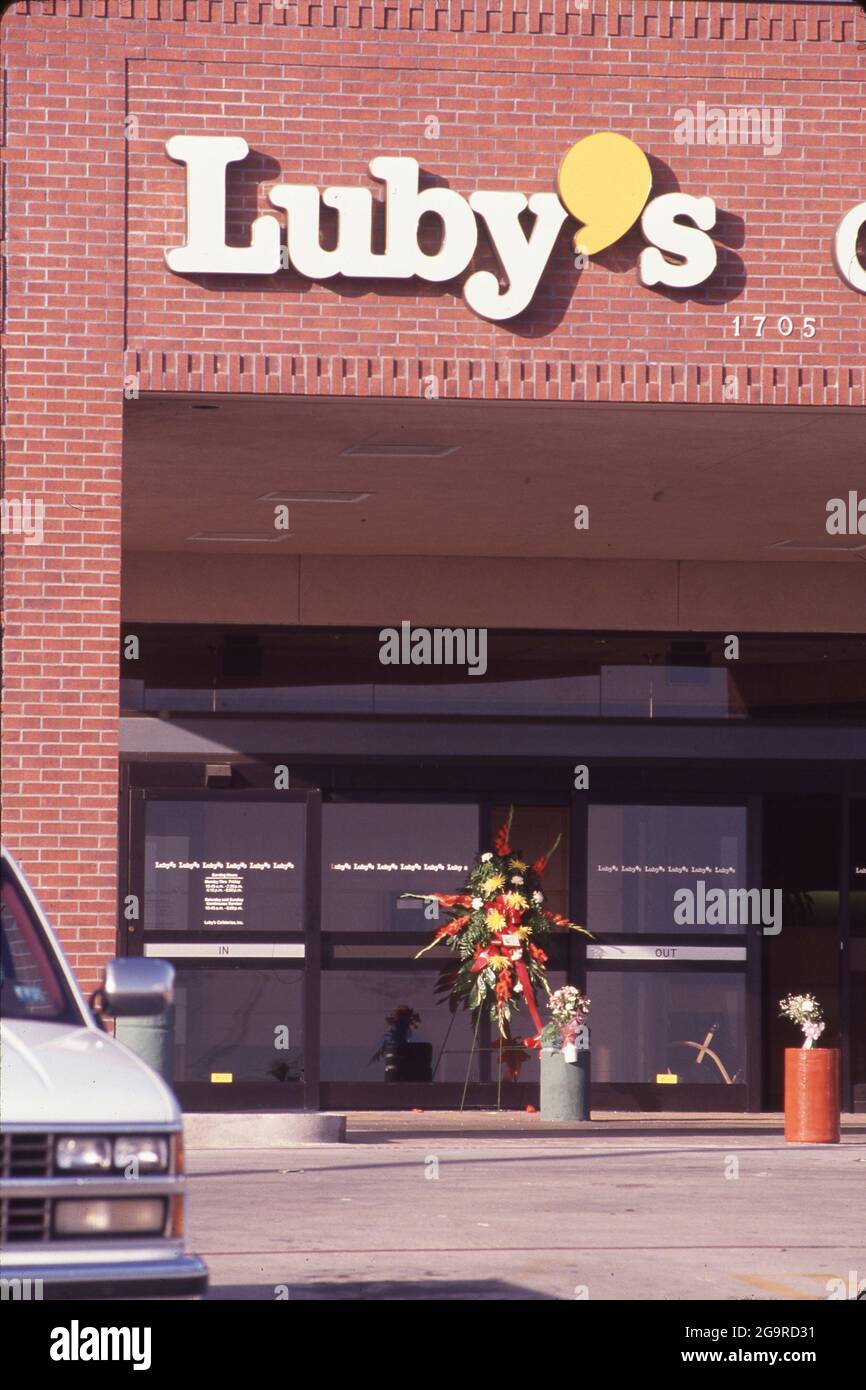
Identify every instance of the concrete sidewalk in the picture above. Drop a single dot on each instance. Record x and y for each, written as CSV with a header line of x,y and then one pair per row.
x,y
474,1207
365,1125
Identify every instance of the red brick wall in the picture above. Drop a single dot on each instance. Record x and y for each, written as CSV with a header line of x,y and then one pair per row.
x,y
64,215
509,105
317,91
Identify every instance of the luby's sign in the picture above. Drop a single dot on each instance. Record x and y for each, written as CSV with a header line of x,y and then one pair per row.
x,y
604,183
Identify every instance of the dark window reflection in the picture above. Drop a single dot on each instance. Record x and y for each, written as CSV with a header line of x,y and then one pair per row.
x,y
801,836
857,913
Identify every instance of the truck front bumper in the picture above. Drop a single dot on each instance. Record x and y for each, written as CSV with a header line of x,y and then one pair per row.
x,y
178,1276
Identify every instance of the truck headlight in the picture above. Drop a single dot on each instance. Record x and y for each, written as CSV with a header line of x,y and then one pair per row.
x,y
144,1153
84,1154
100,1216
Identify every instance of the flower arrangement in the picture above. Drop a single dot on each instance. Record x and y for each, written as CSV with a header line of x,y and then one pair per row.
x,y
495,929
402,1023
804,1010
570,1010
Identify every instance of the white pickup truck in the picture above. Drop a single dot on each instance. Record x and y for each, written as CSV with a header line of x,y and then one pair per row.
x,y
91,1166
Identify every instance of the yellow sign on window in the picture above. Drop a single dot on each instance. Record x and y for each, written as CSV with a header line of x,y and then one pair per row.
x,y
221,1076
666,1078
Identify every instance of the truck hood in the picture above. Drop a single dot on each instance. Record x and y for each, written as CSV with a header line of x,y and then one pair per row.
x,y
57,1074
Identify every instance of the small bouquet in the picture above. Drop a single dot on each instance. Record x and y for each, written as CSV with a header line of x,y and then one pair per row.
x,y
570,1009
804,1010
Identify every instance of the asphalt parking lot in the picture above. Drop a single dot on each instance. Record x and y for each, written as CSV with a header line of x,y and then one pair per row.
x,y
497,1207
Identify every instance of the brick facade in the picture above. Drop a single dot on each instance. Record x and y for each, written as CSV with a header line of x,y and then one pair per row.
x,y
93,90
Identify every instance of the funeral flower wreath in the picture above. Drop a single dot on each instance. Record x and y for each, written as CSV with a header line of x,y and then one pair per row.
x,y
496,929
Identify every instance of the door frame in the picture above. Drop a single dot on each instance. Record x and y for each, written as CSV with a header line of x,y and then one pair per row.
x,y
131,935
751,1093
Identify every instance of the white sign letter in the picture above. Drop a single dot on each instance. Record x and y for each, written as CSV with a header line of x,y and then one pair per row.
x,y
205,251
405,207
848,263
661,229
522,258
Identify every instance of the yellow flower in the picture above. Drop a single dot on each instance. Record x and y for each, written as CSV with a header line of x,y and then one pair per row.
x,y
492,884
498,962
495,920
517,901
517,864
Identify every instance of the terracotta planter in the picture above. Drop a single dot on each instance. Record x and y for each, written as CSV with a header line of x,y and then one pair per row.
x,y
812,1095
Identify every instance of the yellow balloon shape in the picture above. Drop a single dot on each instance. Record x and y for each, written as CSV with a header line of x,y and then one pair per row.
x,y
604,181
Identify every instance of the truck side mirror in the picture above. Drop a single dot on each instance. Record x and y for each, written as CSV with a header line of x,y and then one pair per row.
x,y
136,987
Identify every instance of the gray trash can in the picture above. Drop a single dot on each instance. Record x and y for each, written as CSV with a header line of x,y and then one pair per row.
x,y
564,1086
152,1039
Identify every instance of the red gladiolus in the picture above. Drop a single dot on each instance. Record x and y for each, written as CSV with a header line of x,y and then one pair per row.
x,y
537,954
557,920
502,845
540,865
452,928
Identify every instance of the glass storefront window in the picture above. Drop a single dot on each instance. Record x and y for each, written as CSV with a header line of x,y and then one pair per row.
x,y
373,852
245,1023
224,866
645,1024
355,1006
655,870
290,670
668,692
616,692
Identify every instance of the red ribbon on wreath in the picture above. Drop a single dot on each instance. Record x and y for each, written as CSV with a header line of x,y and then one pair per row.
x,y
529,994
496,947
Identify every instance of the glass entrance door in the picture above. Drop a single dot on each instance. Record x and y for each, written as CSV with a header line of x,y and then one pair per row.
x,y
221,887
374,853
674,923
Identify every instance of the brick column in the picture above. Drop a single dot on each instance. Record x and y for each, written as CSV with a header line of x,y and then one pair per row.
x,y
64,251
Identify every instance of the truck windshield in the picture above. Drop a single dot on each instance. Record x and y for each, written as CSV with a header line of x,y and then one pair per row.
x,y
31,983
